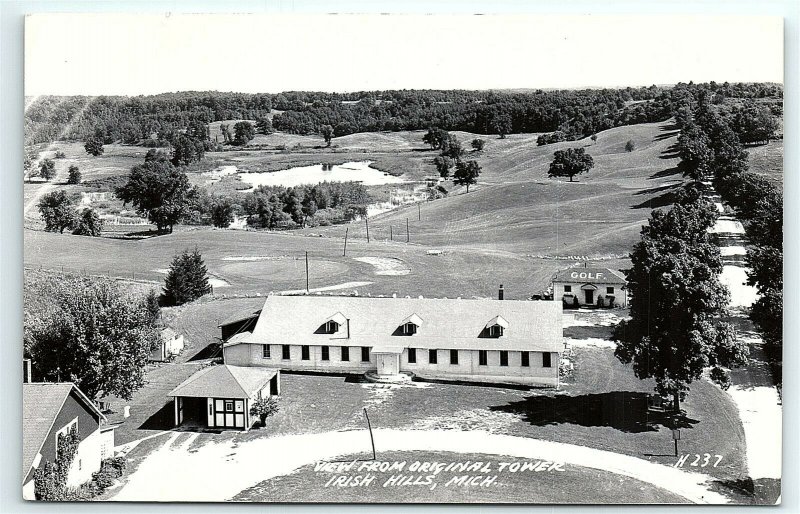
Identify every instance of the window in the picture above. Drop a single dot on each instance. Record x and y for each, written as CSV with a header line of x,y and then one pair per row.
x,y
285,352
433,356
503,358
331,327
228,405
453,356
567,289
546,363
495,331
409,329
412,355
609,290
326,356
482,358
526,359
265,351
364,354
304,354
345,354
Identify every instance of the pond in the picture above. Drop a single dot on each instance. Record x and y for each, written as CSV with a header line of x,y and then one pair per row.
x,y
347,172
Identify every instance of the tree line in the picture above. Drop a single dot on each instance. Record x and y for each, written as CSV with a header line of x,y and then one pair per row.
x,y
677,306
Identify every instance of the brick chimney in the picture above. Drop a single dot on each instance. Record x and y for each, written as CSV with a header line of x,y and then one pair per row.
x,y
500,292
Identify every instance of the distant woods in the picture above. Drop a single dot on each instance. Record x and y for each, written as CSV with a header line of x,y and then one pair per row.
x,y
564,114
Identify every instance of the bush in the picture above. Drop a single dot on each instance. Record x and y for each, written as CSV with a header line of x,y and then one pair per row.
x,y
74,175
187,279
264,407
88,223
60,154
478,144
630,146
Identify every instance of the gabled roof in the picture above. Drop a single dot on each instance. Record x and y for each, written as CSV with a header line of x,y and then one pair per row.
x,y
338,318
225,381
497,320
416,320
580,275
373,322
41,404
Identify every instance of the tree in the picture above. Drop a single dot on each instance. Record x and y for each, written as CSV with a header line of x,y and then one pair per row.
x,y
570,162
187,279
243,133
90,332
57,211
443,165
159,191
94,146
89,223
186,150
451,147
47,169
222,213
264,125
326,131
198,130
676,301
227,137
754,123
478,144
630,145
694,149
50,478
152,306
435,137
74,175
466,173
501,125
594,138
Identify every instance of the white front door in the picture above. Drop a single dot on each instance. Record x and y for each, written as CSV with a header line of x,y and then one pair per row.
x,y
388,363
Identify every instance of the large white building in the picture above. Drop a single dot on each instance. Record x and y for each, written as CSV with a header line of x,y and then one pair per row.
x,y
599,287
471,340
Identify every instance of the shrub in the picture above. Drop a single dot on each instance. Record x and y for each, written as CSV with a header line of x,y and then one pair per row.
x,y
187,279
60,154
74,175
630,146
264,407
478,144
88,223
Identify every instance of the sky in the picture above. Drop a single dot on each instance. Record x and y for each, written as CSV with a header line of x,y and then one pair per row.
x,y
127,54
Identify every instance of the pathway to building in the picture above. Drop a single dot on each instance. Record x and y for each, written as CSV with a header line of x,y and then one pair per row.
x,y
753,389
218,470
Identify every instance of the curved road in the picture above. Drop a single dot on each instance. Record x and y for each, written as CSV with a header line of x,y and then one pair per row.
x,y
217,471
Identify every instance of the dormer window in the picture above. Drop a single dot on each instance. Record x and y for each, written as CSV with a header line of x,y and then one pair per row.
x,y
333,324
496,326
409,326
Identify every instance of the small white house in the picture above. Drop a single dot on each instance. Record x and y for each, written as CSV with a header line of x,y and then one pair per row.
x,y
596,287
171,344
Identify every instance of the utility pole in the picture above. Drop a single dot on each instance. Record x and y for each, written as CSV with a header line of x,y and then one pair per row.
x,y
391,238
366,220
371,438
346,230
419,212
307,272
408,237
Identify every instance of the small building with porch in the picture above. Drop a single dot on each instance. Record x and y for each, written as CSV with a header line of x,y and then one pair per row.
x,y
596,287
220,397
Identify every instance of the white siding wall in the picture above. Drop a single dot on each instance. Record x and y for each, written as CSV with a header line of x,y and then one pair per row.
x,y
87,460
619,294
467,368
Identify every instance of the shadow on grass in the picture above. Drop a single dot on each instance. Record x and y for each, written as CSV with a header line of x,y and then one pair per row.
x,y
163,419
622,410
598,331
209,352
666,173
667,197
764,491
134,236
668,133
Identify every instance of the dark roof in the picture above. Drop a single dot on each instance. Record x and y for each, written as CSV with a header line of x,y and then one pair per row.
x,y
373,322
41,404
225,381
580,275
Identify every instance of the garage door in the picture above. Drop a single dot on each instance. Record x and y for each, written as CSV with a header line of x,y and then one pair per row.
x,y
229,413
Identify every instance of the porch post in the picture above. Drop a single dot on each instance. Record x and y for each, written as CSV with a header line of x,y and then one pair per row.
x,y
175,404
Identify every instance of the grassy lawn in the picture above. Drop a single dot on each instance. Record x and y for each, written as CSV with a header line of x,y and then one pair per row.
x,y
569,486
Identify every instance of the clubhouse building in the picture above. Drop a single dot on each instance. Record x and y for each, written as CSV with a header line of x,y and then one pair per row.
x,y
597,287
394,339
